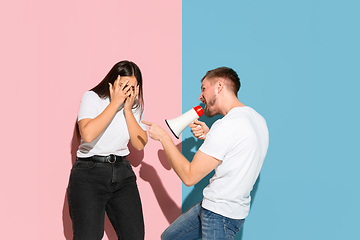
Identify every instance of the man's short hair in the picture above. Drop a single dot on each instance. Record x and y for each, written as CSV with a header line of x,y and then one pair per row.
x,y
227,73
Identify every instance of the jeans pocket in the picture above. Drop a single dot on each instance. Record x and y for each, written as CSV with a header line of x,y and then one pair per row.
x,y
130,171
128,164
232,226
83,165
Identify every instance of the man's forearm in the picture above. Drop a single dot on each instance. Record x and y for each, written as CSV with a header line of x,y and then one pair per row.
x,y
177,161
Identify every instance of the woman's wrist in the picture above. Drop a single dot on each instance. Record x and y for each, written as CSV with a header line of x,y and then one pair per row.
x,y
128,111
116,102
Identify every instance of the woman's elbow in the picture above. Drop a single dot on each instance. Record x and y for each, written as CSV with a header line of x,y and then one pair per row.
x,y
139,144
139,147
87,138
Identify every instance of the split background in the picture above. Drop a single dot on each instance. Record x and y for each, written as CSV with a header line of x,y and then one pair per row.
x,y
299,67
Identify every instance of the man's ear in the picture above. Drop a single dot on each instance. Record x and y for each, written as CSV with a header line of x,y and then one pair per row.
x,y
220,85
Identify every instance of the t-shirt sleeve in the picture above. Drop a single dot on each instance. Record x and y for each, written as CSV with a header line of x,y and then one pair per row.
x,y
217,142
88,106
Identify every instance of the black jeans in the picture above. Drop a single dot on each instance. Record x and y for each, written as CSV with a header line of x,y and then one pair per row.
x,y
98,187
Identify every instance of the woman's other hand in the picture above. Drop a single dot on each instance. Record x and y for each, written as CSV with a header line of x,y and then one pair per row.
x,y
129,101
120,90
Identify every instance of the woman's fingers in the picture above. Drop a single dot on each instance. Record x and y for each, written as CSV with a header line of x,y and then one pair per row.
x,y
117,83
128,90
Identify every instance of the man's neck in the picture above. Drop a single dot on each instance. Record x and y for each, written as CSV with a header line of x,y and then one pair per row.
x,y
230,104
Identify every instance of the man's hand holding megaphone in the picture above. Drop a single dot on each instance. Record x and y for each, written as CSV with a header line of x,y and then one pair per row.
x,y
199,129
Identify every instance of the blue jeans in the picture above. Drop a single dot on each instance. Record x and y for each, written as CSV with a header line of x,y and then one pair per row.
x,y
198,222
95,188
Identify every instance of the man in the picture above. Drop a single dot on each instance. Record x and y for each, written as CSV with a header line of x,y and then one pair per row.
x,y
235,147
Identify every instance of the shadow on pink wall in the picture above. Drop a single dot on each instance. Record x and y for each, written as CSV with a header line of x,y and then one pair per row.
x,y
147,172
67,224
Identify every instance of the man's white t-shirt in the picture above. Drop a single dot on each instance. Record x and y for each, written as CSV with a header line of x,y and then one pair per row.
x,y
240,140
114,139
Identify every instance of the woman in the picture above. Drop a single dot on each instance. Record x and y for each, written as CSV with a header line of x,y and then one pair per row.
x,y
101,179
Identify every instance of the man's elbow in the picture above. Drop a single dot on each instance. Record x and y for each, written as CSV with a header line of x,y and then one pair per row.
x,y
189,182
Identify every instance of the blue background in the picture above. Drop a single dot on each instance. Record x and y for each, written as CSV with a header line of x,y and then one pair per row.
x,y
299,63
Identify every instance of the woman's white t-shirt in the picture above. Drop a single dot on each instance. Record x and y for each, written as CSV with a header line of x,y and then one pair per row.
x,y
240,140
114,139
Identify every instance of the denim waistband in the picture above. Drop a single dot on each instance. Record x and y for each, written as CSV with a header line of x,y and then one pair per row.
x,y
103,159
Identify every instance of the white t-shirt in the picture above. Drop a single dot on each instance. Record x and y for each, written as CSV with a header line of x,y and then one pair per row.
x,y
240,140
114,139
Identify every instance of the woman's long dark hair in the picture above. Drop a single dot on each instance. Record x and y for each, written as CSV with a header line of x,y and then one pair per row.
x,y
123,68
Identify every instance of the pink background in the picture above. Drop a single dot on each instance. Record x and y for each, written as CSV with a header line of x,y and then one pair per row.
x,y
51,53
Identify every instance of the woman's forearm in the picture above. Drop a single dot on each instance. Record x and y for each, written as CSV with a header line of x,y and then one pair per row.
x,y
92,128
138,137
